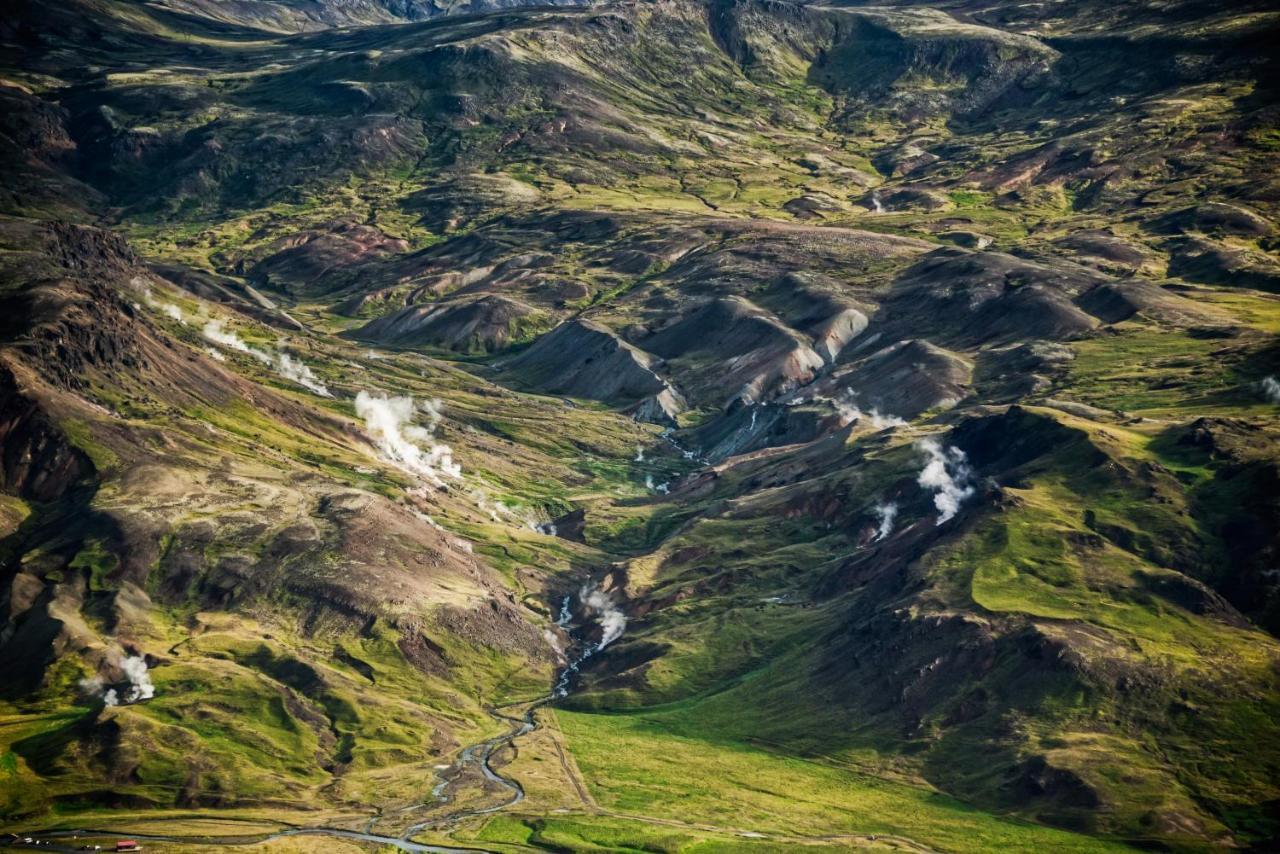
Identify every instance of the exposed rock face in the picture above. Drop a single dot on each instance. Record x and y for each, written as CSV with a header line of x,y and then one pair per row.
x,y
958,297
483,324
36,461
582,358
318,261
662,408
1199,259
460,201
731,345
833,334
906,379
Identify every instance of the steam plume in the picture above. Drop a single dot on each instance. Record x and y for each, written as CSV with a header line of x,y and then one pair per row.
x,y
283,364
947,473
214,332
609,616
168,308
295,370
886,513
140,686
851,412
1270,389
388,422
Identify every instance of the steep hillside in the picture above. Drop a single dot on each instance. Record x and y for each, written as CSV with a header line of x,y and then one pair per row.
x,y
641,426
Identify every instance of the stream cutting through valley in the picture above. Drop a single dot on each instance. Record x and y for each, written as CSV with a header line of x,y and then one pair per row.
x,y
478,756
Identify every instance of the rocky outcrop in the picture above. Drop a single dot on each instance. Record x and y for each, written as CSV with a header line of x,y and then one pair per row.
x,y
463,200
661,408
482,324
959,298
318,261
730,348
906,379
832,334
36,460
582,358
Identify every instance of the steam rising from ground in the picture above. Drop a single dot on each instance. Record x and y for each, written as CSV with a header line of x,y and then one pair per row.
x,y
609,616
214,332
140,686
283,364
168,308
947,473
886,513
388,421
851,412
1270,389
295,370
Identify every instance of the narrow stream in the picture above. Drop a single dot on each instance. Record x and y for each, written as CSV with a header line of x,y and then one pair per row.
x,y
477,755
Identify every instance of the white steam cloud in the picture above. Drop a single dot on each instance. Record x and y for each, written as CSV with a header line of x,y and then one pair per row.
x,y
140,686
851,412
293,369
214,332
388,421
948,474
283,364
886,513
608,616
1270,387
168,308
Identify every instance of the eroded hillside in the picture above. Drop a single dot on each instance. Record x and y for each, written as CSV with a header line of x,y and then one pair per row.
x,y
642,426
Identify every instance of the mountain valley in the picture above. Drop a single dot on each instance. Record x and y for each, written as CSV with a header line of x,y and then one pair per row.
x,y
686,425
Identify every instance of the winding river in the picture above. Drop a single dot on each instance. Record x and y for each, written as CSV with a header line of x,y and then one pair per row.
x,y
477,755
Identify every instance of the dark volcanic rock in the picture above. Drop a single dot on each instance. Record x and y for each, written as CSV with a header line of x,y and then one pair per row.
x,y
477,325
907,378
736,349
581,358
955,297
1209,261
